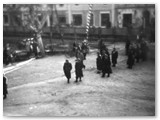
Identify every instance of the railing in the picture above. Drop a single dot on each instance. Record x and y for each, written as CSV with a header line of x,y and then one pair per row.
x,y
70,32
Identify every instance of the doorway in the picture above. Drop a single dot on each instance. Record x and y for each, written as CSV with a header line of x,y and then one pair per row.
x,y
127,20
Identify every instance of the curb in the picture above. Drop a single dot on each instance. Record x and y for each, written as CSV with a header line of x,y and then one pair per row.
x,y
17,66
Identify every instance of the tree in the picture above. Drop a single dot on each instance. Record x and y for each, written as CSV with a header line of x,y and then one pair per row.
x,y
35,23
32,18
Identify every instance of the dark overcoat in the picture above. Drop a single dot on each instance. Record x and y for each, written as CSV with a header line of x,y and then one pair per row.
x,y
5,91
106,65
67,69
78,69
114,57
131,58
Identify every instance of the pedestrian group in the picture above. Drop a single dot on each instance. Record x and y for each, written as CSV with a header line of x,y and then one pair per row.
x,y
135,52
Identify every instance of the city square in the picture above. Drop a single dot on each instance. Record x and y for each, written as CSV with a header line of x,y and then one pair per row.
x,y
36,80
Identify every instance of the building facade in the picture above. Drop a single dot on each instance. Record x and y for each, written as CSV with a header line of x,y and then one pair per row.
x,y
103,15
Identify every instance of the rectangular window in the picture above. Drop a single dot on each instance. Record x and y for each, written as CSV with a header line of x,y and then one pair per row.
x,y
105,19
77,19
92,20
5,19
62,19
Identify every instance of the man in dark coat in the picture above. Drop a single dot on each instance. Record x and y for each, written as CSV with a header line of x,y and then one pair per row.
x,y
78,70
99,62
114,57
106,65
80,56
5,91
130,60
67,67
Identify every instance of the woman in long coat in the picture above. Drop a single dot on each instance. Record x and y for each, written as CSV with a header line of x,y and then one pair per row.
x,y
78,70
106,65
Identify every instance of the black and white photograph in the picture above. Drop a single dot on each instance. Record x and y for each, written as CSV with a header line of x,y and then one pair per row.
x,y
79,60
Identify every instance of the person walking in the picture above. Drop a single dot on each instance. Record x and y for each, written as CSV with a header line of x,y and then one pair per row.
x,y
114,57
67,67
130,60
106,65
78,70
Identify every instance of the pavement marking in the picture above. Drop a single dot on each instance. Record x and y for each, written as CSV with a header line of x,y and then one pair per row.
x,y
37,83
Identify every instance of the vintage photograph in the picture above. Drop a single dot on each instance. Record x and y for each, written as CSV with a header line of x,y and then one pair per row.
x,y
83,60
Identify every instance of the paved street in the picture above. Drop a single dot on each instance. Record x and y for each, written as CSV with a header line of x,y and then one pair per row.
x,y
39,88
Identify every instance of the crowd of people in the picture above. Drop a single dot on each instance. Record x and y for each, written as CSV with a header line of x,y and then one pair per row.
x,y
103,61
136,51
81,51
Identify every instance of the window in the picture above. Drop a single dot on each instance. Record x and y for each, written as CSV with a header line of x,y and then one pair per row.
x,y
5,19
105,20
92,20
127,20
77,19
62,19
